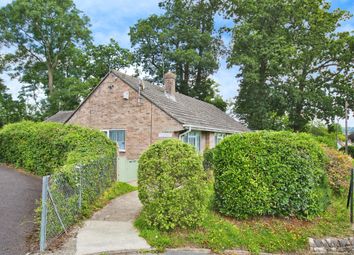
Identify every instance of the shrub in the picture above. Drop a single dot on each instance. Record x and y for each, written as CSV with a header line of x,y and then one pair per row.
x,y
208,159
270,173
172,185
338,166
43,147
350,150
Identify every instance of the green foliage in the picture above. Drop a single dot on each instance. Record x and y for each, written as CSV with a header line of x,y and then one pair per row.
x,y
326,135
10,110
183,40
350,150
338,170
53,53
297,66
42,148
41,31
79,161
264,234
172,185
208,157
270,173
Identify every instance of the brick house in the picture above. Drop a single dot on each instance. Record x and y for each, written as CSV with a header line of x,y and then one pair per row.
x,y
136,113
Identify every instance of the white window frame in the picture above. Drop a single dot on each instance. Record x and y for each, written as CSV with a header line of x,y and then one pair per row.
x,y
218,137
192,133
106,131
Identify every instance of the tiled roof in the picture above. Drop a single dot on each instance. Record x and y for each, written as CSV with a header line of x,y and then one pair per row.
x,y
188,111
61,116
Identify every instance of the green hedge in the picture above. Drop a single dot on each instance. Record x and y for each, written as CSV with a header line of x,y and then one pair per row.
x,y
270,173
79,160
172,185
43,147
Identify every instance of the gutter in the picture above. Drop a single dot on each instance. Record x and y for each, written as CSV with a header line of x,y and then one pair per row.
x,y
184,133
218,130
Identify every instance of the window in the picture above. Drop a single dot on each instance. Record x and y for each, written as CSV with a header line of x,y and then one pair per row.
x,y
192,138
117,136
219,137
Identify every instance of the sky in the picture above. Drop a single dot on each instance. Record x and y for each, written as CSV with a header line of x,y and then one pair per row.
x,y
112,19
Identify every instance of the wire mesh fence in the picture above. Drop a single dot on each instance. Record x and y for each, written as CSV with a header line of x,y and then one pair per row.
x,y
68,193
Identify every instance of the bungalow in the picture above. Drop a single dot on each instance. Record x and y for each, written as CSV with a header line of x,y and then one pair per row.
x,y
136,113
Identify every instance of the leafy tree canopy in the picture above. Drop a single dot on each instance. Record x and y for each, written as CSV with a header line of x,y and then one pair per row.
x,y
10,110
54,56
293,61
182,39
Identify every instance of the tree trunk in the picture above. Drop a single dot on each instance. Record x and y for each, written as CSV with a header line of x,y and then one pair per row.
x,y
50,79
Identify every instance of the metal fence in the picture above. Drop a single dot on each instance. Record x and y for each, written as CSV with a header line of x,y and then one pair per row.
x,y
68,193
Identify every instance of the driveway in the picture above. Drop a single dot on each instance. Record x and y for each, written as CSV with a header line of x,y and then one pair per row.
x,y
18,193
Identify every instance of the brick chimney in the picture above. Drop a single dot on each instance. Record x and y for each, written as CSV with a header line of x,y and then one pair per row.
x,y
170,84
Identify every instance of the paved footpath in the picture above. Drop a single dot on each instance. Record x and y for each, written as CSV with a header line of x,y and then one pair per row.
x,y
111,229
18,194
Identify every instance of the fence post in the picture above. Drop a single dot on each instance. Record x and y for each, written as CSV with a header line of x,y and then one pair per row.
x,y
116,166
78,168
42,238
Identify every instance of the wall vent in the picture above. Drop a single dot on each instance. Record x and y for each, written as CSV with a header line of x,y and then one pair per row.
x,y
126,95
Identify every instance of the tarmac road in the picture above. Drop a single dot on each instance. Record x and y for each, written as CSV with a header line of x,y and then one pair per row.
x,y
18,193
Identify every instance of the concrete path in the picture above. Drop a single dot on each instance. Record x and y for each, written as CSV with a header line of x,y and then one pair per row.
x,y
111,229
18,194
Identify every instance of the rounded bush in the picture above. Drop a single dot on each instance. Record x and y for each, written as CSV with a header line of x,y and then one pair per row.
x,y
270,173
338,170
172,185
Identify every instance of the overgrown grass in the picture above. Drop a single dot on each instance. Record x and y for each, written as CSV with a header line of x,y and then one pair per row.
x,y
116,190
266,234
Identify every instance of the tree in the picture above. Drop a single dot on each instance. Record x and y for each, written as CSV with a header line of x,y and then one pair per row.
x,y
54,56
41,31
10,110
105,57
182,39
293,62
82,69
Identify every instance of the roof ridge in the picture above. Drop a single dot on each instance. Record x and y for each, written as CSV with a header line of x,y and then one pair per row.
x,y
186,110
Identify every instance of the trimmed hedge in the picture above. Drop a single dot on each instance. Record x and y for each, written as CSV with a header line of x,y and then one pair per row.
x,y
44,147
78,159
338,170
172,185
270,173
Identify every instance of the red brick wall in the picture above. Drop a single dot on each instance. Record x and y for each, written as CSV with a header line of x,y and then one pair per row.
x,y
142,121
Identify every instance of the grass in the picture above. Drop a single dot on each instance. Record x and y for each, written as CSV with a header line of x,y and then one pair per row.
x,y
266,234
117,189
